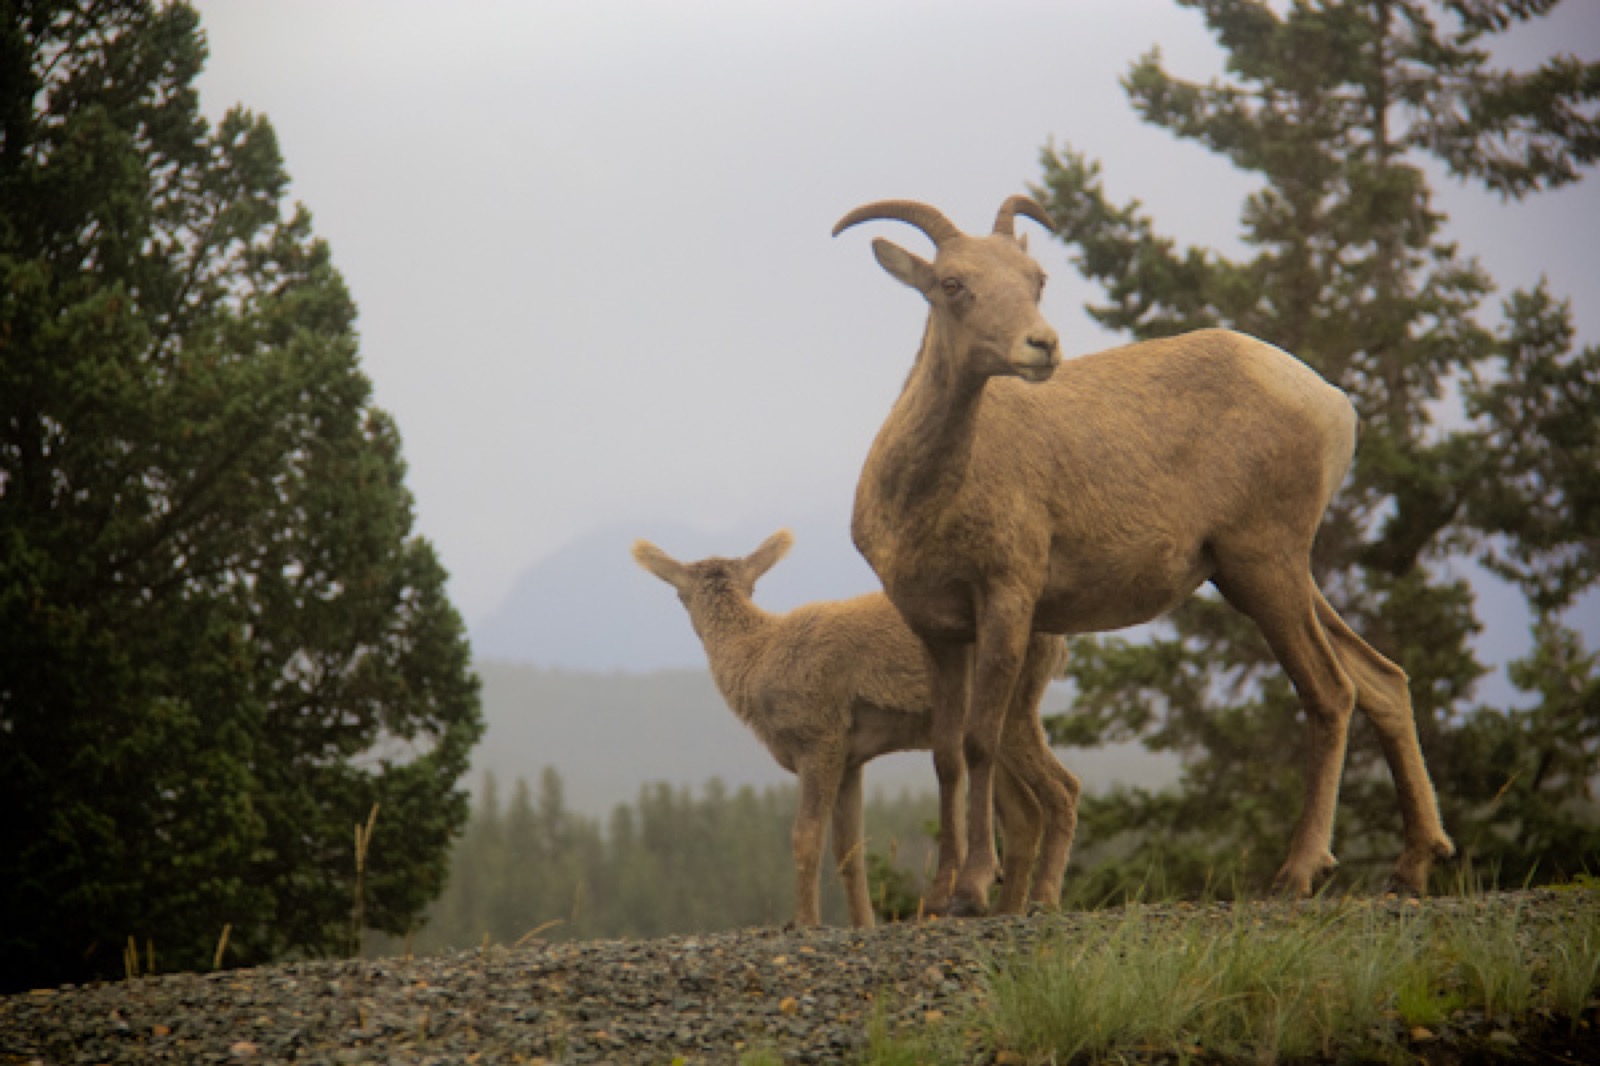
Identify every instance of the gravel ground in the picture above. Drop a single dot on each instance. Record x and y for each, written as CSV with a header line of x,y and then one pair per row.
x,y
808,995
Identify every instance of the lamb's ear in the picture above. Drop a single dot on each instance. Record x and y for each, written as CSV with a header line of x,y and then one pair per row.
x,y
765,557
903,266
660,563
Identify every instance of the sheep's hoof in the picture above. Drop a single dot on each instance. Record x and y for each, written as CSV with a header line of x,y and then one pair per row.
x,y
961,907
1410,874
1297,881
1291,886
1399,887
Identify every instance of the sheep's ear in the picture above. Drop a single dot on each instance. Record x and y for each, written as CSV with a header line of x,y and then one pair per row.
x,y
904,267
660,563
765,557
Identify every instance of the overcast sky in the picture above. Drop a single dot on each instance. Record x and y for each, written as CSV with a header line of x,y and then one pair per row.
x,y
589,239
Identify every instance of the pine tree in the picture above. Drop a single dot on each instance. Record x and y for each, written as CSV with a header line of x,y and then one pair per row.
x,y
1337,105
221,647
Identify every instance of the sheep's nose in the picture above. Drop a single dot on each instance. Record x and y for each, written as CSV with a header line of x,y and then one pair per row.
x,y
1045,340
1037,354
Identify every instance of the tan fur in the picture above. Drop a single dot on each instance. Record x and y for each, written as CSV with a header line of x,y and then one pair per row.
x,y
832,685
1100,496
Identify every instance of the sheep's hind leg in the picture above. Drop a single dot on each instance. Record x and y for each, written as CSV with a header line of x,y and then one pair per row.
x,y
1282,601
1383,695
1021,828
1025,750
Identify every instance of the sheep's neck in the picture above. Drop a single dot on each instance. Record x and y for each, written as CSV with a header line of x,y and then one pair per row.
x,y
733,631
925,448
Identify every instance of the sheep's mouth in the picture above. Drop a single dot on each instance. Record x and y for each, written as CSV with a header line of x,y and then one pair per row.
x,y
1034,373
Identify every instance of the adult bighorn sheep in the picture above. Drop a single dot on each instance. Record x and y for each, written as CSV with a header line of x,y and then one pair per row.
x,y
1100,493
832,685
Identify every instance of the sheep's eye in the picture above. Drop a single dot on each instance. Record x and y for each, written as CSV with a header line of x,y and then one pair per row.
x,y
952,286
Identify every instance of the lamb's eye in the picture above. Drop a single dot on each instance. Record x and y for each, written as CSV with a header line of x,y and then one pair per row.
x,y
952,286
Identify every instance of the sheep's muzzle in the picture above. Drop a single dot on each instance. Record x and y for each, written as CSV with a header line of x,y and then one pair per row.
x,y
1036,355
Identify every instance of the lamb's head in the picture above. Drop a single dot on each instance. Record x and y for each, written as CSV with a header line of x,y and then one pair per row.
x,y
710,587
982,292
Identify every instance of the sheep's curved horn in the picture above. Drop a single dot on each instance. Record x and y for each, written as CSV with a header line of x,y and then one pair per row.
x,y
928,219
1021,205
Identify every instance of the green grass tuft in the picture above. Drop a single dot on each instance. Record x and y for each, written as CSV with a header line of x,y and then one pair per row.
x,y
931,1044
1491,959
1267,984
1572,979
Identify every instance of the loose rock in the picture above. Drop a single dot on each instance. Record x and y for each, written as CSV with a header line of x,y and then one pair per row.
x,y
808,994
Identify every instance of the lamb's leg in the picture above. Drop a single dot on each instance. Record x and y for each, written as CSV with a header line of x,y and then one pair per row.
x,y
1384,697
819,788
951,672
1003,633
1280,596
849,848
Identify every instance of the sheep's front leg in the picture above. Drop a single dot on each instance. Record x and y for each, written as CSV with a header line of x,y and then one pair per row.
x,y
849,848
819,788
1003,630
951,673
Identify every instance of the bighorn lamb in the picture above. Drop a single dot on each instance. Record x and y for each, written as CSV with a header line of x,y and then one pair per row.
x,y
1099,493
832,685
